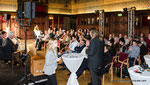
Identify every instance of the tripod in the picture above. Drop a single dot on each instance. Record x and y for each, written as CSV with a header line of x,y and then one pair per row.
x,y
25,55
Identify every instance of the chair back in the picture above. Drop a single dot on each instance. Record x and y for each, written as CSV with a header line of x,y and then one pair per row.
x,y
123,56
58,41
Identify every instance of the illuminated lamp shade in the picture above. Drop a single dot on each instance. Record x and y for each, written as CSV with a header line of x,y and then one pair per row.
x,y
13,17
50,17
97,18
148,17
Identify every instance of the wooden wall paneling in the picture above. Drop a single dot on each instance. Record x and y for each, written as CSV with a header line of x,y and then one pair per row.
x,y
1,21
47,23
107,24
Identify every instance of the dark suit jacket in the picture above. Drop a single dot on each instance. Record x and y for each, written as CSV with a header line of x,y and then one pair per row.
x,y
78,49
95,53
112,51
143,50
1,49
9,48
107,59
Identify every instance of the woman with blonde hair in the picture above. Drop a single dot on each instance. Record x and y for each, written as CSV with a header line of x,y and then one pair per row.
x,y
51,62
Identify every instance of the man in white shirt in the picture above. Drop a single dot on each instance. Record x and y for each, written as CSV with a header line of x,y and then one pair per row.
x,y
42,40
73,43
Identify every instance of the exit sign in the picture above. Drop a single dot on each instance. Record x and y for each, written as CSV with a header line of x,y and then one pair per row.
x,y
119,14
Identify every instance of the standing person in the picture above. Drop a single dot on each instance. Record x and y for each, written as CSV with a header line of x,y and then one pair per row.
x,y
51,62
35,29
95,53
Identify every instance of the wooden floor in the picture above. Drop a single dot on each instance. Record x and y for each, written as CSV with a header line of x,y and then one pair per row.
x,y
62,76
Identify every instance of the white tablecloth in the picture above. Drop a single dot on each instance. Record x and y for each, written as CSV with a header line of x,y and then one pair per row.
x,y
139,78
147,59
73,62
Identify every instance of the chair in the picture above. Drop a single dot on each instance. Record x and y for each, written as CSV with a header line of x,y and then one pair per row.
x,y
110,70
45,45
137,59
16,55
122,61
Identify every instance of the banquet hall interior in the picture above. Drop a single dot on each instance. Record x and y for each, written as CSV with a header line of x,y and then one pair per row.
x,y
123,24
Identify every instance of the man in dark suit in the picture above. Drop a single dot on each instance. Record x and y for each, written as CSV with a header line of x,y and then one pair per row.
x,y
95,54
10,46
143,51
2,43
80,46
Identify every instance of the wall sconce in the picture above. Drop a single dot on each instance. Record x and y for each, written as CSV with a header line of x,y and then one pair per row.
x,y
13,17
97,18
50,17
148,17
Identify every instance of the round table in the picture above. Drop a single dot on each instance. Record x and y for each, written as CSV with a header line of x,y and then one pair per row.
x,y
73,62
147,59
139,78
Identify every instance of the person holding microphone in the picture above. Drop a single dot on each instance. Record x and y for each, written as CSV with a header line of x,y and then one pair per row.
x,y
95,52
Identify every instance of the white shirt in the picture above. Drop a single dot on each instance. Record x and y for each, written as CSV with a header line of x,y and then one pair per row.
x,y
45,37
126,41
73,45
14,40
38,33
50,63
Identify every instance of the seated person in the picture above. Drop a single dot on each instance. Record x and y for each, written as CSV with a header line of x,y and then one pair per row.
x,y
143,51
78,49
112,49
108,57
65,39
42,40
73,43
116,44
80,46
84,63
133,52
111,38
11,46
3,36
148,42
123,47
143,41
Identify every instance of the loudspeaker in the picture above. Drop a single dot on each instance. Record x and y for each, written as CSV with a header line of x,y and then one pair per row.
x,y
20,10
33,10
26,10
7,16
29,9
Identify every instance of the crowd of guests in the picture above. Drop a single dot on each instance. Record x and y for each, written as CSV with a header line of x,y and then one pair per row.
x,y
88,41
77,41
